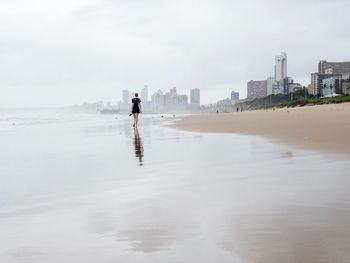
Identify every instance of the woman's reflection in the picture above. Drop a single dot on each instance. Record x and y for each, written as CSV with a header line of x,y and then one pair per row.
x,y
138,146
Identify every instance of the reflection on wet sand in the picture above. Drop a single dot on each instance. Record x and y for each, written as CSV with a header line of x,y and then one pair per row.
x,y
150,239
216,198
138,145
291,235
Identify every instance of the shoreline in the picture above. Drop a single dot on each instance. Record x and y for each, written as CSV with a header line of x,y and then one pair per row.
x,y
320,127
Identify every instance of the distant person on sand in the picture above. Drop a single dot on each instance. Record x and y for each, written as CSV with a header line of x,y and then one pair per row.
x,y
136,109
241,109
237,109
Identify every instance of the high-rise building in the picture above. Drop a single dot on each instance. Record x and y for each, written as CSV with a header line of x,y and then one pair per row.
x,y
256,89
281,66
325,67
309,89
293,87
276,88
174,100
330,71
315,86
173,91
284,85
180,100
234,97
270,82
158,100
195,97
346,87
332,85
317,83
126,97
144,94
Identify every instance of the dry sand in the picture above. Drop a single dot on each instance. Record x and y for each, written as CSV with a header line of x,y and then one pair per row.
x,y
321,127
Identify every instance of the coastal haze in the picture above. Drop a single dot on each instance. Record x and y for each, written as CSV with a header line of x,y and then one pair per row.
x,y
258,173
57,53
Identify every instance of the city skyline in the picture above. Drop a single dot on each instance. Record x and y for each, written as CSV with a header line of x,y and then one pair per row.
x,y
159,100
49,57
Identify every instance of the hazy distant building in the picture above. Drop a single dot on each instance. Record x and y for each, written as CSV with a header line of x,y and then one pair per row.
x,y
126,97
169,97
92,107
325,67
195,97
256,89
180,100
144,94
269,89
234,97
281,66
168,101
173,100
157,100
224,103
173,91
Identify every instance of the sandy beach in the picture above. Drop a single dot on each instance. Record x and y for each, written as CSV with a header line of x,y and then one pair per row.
x,y
322,127
90,188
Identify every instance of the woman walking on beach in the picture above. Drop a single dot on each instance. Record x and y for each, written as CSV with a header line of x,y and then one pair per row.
x,y
136,109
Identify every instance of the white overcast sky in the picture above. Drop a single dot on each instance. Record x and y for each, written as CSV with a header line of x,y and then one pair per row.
x,y
64,52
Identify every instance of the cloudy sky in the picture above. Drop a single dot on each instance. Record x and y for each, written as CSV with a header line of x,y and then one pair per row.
x,y
64,52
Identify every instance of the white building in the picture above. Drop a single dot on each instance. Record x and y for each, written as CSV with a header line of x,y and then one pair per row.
x,y
126,98
195,97
144,94
270,82
158,100
281,66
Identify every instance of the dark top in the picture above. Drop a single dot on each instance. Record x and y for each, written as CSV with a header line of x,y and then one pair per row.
x,y
135,105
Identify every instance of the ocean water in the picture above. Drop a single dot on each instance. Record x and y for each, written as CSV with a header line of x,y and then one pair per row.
x,y
89,188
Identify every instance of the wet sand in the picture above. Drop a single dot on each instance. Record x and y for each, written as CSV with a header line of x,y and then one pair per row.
x,y
322,127
93,189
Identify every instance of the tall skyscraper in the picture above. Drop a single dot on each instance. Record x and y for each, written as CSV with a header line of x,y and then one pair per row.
x,y
195,99
281,66
126,97
144,94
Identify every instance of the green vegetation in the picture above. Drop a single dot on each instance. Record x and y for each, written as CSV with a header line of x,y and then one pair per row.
x,y
298,98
